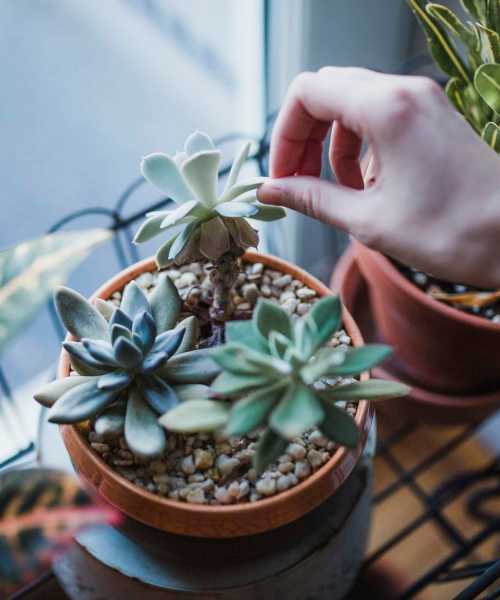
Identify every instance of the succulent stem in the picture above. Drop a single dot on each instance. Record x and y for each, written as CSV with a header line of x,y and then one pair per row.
x,y
223,277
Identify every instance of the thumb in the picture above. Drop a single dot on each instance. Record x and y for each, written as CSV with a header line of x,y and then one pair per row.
x,y
328,202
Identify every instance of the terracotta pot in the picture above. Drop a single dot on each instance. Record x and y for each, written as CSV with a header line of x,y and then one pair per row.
x,y
216,521
422,405
440,348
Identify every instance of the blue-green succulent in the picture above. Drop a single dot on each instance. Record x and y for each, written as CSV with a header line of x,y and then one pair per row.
x,y
281,375
131,363
213,224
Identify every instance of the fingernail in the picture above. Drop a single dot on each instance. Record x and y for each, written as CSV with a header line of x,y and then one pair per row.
x,y
270,193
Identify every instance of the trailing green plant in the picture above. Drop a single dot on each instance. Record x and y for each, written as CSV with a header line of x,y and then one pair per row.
x,y
40,512
281,375
474,84
132,364
214,225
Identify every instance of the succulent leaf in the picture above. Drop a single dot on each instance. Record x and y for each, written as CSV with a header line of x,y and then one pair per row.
x,y
77,350
194,416
236,209
162,255
490,42
243,332
111,422
198,142
112,381
144,327
190,367
229,384
144,436
487,83
201,173
118,331
100,351
160,396
165,303
149,229
364,358
134,301
298,410
269,213
154,361
51,392
191,329
105,308
249,412
182,240
242,188
169,342
179,215
269,317
233,357
79,317
127,353
195,391
84,369
160,170
339,426
327,316
214,238
269,448
373,389
120,318
491,135
80,403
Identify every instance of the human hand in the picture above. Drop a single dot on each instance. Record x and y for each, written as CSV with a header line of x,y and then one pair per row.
x,y
430,193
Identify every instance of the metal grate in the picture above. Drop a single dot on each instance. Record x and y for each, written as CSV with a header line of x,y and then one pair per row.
x,y
483,575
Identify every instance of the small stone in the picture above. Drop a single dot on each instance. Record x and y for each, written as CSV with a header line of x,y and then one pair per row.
x,y
283,483
283,281
302,469
196,478
245,306
244,489
234,489
145,280
203,459
186,280
266,486
100,447
226,465
265,290
315,458
345,339
252,475
95,437
196,496
290,305
257,268
302,309
296,451
222,495
420,278
285,467
285,296
174,495
460,289
496,319
174,274
250,292
223,448
305,293
318,439
162,489
187,465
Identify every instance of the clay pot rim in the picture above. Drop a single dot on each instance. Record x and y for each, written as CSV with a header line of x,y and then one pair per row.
x,y
417,294
342,462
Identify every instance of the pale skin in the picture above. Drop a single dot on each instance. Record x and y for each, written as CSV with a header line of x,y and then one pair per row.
x,y
428,191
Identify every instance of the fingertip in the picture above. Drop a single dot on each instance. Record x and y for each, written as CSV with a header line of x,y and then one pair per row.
x,y
270,193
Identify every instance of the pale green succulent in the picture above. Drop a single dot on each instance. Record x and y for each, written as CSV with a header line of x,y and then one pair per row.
x,y
286,379
213,223
474,84
133,364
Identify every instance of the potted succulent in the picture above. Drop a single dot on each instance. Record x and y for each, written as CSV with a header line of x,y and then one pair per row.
x,y
445,334
214,392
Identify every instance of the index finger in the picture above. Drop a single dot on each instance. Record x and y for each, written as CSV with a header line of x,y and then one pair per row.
x,y
313,102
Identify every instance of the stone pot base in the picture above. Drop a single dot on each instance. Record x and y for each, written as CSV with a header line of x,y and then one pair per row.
x,y
421,405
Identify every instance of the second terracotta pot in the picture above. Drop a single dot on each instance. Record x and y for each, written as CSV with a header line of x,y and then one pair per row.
x,y
439,347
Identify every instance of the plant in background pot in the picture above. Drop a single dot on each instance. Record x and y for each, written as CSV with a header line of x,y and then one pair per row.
x,y
446,335
277,433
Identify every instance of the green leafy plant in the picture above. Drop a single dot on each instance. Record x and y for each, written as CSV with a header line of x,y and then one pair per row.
x,y
280,374
131,368
40,512
214,226
474,84
31,270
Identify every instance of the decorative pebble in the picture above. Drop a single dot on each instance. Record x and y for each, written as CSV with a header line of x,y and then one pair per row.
x,y
283,281
302,469
266,486
187,465
283,483
145,280
296,451
318,439
226,465
305,293
315,458
203,459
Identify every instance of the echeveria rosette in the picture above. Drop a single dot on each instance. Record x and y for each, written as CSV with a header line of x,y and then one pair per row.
x,y
133,364
213,224
286,379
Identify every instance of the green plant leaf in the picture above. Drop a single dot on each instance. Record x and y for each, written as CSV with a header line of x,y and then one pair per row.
x,y
191,336
190,367
161,170
134,300
77,350
114,380
269,448
51,392
364,358
104,307
30,271
144,329
195,391
236,209
440,47
79,317
80,403
160,396
127,353
229,384
493,14
236,166
322,365
41,510
83,369
150,228
201,171
181,214
339,426
268,317
487,83
249,412
474,8
490,42
327,316
169,342
298,410
269,213
243,332
100,351
198,142
279,344
373,389
242,188
111,422
195,416
165,303
162,255
181,240
144,436
454,25
233,357
491,135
